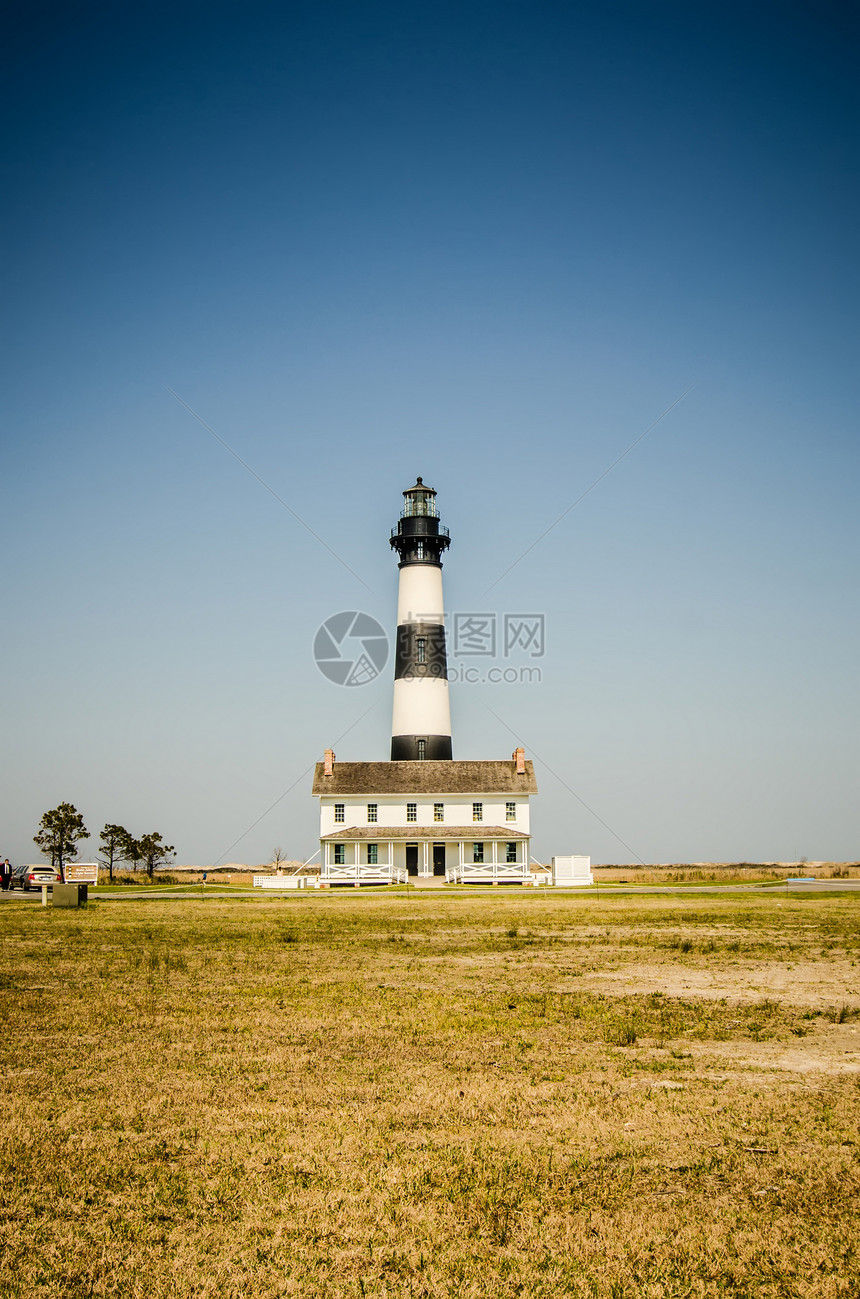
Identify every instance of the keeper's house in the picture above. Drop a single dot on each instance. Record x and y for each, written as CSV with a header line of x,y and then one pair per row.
x,y
463,822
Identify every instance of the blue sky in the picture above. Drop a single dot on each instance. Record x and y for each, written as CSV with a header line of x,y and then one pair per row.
x,y
485,243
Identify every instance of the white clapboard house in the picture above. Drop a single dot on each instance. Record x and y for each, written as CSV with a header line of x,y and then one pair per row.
x,y
460,822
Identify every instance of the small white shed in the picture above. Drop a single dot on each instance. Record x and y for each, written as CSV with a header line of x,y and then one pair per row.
x,y
570,872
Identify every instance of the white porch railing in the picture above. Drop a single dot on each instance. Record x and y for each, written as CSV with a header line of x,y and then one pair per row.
x,y
362,873
490,872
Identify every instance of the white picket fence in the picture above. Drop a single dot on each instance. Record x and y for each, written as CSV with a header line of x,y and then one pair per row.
x,y
358,873
491,872
283,881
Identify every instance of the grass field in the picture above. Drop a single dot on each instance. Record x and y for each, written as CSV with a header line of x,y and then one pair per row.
x,y
515,1095
704,873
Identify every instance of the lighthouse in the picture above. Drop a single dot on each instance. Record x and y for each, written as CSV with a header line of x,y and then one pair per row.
x,y
423,817
421,724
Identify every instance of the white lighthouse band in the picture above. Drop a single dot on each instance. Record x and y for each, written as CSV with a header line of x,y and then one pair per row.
x,y
421,725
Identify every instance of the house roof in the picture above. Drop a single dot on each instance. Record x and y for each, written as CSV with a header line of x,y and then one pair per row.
x,y
417,833
425,778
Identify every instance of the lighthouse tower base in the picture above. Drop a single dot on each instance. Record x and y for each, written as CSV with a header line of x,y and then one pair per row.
x,y
421,748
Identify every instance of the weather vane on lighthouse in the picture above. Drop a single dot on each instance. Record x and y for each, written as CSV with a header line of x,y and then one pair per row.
x,y
421,725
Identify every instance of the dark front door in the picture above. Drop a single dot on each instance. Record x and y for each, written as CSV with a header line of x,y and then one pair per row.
x,y
438,859
412,858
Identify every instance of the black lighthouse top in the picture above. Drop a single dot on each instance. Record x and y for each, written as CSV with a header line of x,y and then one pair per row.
x,y
419,537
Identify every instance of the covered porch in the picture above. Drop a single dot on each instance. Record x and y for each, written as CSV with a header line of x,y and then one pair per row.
x,y
348,860
446,854
500,857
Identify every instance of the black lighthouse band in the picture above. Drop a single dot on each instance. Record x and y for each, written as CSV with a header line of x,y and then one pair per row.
x,y
421,748
420,651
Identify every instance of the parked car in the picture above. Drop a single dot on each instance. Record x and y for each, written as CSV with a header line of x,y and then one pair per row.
x,y
34,877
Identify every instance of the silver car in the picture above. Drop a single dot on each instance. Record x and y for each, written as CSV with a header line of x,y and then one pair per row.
x,y
34,877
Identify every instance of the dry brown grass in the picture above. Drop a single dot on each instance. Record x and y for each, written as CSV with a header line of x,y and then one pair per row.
x,y
723,872
431,1096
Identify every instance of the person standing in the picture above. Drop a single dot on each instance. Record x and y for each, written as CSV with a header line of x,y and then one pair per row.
x,y
5,874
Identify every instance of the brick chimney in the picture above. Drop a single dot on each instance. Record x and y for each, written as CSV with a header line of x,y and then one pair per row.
x,y
329,762
519,757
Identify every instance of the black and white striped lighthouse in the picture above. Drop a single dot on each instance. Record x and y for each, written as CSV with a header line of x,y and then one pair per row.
x,y
421,726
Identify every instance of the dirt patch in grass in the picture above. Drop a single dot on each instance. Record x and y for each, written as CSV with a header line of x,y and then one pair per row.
x,y
801,983
513,1096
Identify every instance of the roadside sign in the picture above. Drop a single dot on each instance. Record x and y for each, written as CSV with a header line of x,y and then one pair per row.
x,y
82,872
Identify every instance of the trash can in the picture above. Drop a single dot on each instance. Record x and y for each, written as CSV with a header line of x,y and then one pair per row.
x,y
70,895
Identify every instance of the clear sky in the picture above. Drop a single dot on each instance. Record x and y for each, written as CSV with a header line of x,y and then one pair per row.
x,y
487,243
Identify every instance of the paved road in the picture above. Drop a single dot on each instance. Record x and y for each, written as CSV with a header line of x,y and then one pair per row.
x,y
600,891
811,886
35,895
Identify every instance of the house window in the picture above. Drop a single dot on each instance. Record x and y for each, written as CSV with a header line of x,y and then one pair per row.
x,y
510,811
422,750
411,811
511,852
477,811
419,550
477,852
371,811
338,812
372,854
438,811
422,649
339,851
